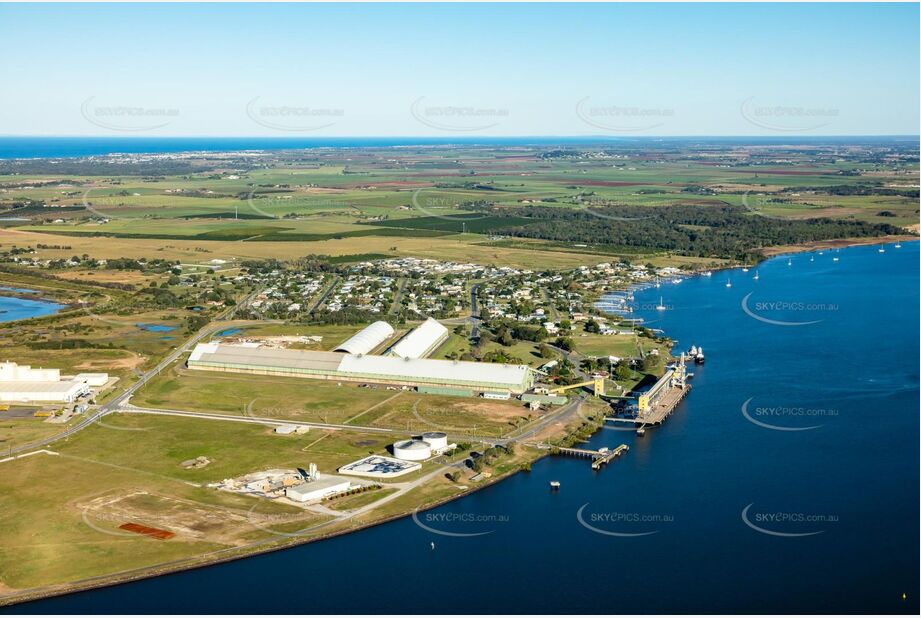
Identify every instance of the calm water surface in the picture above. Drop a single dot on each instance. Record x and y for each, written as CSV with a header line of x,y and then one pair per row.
x,y
15,308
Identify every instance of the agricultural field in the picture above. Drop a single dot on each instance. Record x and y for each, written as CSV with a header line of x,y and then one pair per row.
x,y
444,200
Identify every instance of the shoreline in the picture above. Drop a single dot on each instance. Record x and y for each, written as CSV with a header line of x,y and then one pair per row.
x,y
193,563
838,243
190,564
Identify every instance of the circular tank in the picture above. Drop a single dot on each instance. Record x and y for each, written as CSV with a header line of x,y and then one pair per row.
x,y
412,450
438,440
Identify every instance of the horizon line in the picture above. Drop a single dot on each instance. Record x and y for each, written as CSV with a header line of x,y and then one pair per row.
x,y
466,137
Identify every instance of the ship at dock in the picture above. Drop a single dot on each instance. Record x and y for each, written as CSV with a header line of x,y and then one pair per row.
x,y
697,354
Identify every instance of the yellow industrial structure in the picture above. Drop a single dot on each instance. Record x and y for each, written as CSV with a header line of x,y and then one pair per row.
x,y
597,383
676,377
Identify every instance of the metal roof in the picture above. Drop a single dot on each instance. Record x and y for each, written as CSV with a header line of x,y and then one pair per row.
x,y
274,358
23,386
420,341
439,371
367,338
368,367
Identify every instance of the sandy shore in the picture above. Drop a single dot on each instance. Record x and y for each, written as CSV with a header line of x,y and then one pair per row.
x,y
837,244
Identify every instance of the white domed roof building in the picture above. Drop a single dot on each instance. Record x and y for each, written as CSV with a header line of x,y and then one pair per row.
x,y
368,338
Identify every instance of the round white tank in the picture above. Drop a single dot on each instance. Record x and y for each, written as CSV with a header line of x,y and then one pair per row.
x,y
438,440
412,450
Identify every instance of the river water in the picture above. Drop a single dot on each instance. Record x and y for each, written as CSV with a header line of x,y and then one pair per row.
x,y
786,482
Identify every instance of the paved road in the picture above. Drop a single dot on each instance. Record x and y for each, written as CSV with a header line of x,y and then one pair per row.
x,y
325,294
130,409
121,399
397,296
474,313
554,314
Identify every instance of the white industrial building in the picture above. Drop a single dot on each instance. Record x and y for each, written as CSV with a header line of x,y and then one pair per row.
x,y
368,338
12,372
318,489
23,383
420,341
438,440
413,372
379,467
92,379
43,392
412,450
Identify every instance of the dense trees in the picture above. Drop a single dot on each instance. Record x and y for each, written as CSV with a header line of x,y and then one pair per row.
x,y
703,231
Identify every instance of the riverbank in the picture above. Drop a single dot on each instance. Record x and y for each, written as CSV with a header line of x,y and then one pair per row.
x,y
10,597
233,554
837,244
685,494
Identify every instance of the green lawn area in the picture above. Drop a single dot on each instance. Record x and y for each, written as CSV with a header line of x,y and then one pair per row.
x,y
415,413
298,399
624,346
363,499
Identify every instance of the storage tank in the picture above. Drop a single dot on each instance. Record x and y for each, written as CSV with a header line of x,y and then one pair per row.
x,y
438,440
412,450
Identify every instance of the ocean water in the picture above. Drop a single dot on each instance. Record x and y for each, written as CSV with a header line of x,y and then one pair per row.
x,y
30,147
712,512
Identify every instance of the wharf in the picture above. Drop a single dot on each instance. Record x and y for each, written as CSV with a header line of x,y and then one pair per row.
x,y
659,410
599,458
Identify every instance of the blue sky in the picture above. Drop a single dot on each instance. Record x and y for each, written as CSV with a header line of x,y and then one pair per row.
x,y
474,69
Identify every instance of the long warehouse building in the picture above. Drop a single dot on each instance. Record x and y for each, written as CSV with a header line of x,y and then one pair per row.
x,y
414,372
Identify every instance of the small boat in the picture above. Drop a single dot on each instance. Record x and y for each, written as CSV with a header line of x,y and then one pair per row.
x,y
789,262
757,276
811,259
661,305
898,245
729,284
641,431
554,484
708,273
881,250
433,544
658,285
692,352
834,259
744,269
699,357
677,280
821,253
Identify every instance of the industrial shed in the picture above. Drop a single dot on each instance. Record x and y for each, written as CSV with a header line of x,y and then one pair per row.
x,y
421,341
65,391
368,338
416,372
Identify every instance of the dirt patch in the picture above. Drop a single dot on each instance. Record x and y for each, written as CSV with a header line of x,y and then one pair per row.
x,y
154,533
835,244
173,516
130,361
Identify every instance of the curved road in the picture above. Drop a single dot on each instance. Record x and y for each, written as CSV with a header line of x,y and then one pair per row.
x,y
122,398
